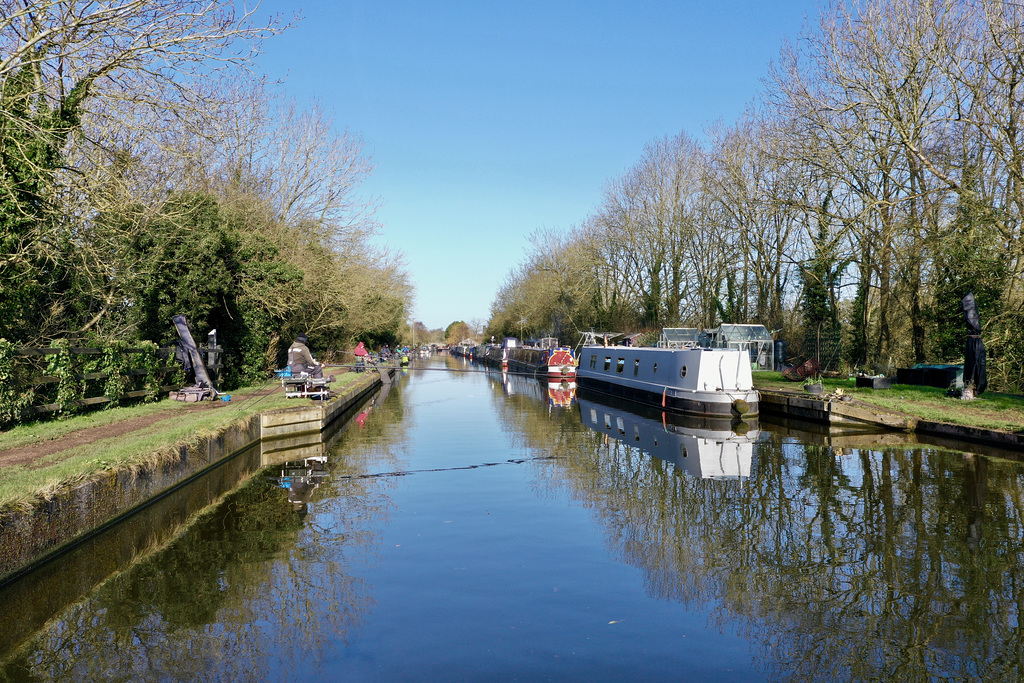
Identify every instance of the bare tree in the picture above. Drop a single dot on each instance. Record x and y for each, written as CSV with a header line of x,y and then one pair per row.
x,y
755,188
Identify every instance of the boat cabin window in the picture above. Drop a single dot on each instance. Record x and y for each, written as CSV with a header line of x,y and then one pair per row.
x,y
607,363
682,373
593,361
620,365
655,368
636,366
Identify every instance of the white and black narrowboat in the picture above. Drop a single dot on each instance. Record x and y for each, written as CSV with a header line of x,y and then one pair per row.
x,y
696,381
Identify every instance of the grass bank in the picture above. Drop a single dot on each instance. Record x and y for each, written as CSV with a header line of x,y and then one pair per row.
x,y
72,449
1004,412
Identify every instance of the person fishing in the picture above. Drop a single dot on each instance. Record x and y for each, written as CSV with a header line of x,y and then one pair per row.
x,y
361,355
301,360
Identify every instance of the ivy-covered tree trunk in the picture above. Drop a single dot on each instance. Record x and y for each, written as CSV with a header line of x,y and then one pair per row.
x,y
968,259
32,137
857,352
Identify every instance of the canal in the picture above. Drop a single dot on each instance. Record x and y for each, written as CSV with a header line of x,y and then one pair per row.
x,y
470,526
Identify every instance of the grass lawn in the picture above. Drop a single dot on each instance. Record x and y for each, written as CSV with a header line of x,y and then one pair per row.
x,y
989,411
163,424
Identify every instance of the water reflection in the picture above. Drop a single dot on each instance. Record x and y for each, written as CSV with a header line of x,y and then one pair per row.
x,y
832,556
561,394
235,574
850,555
300,478
249,587
700,447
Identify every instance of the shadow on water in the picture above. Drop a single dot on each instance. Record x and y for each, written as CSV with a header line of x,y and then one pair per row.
x,y
129,546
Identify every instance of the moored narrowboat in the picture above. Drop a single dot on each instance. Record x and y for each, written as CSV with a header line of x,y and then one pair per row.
x,y
557,362
710,382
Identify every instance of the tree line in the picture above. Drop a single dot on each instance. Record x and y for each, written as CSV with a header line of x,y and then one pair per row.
x,y
147,170
875,180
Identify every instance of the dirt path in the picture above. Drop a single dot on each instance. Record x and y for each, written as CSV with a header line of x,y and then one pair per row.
x,y
27,456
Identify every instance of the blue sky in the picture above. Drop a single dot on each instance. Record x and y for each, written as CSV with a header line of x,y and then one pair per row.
x,y
488,121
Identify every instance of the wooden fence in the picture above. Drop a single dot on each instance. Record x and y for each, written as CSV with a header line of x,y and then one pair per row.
x,y
30,391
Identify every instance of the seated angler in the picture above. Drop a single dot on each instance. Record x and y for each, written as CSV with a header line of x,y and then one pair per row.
x,y
301,360
361,355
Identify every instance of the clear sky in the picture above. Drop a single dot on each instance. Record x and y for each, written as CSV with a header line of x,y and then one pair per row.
x,y
487,121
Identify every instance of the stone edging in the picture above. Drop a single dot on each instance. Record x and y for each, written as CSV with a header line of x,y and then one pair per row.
x,y
858,413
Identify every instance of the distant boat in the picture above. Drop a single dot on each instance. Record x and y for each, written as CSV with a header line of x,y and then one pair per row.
x,y
497,354
556,362
711,382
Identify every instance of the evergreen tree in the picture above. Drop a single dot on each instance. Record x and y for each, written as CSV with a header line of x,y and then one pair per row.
x,y
969,258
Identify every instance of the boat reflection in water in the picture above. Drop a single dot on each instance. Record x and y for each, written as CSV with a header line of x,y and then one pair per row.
x,y
561,394
556,394
712,448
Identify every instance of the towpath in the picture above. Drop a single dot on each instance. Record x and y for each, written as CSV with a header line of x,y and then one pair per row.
x,y
45,452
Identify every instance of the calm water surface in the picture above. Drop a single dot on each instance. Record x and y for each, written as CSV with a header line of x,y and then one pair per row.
x,y
466,527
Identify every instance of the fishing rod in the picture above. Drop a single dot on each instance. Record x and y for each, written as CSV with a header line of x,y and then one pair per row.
x,y
245,403
468,371
258,389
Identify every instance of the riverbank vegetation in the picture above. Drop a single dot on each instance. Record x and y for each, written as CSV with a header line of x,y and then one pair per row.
x,y
876,180
145,171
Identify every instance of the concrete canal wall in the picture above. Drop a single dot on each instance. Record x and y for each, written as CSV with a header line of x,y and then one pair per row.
x,y
852,414
32,536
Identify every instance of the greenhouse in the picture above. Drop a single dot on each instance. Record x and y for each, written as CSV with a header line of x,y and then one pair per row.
x,y
755,339
679,338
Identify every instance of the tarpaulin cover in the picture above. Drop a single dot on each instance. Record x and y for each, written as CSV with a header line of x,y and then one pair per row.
x,y
974,350
797,373
189,344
